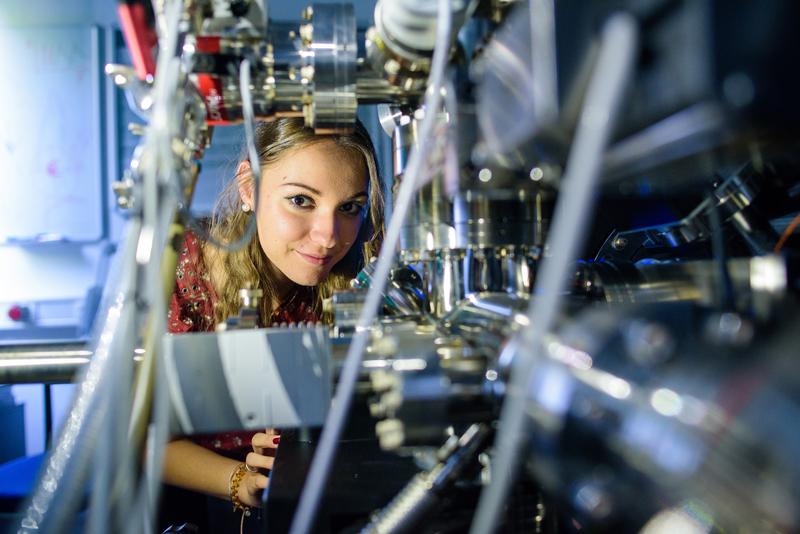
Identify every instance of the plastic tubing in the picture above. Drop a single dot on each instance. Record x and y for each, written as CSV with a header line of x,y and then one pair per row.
x,y
337,416
65,468
572,213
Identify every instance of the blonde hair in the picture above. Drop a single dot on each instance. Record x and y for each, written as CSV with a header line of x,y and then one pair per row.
x,y
249,266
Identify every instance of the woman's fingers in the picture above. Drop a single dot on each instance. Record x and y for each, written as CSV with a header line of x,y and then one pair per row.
x,y
259,442
265,440
261,481
262,457
260,461
251,488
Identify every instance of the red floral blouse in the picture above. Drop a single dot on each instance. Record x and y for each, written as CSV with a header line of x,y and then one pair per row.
x,y
191,309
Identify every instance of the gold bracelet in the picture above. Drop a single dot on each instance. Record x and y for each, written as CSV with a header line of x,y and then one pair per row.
x,y
236,479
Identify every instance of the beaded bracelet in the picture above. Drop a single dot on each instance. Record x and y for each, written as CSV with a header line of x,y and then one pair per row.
x,y
236,478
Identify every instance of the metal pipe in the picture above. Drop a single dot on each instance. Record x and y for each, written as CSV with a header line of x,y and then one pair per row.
x,y
42,364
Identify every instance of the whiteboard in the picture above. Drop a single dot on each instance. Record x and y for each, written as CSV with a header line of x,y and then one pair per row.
x,y
50,147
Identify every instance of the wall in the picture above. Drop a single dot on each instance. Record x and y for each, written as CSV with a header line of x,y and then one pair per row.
x,y
51,271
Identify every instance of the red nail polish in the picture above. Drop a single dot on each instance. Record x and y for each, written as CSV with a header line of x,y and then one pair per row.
x,y
276,440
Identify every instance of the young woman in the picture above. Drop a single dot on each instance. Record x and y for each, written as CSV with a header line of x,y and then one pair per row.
x,y
318,219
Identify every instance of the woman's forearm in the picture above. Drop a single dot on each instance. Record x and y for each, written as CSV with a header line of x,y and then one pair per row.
x,y
190,466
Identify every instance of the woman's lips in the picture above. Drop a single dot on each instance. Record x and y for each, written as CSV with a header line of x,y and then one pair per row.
x,y
315,260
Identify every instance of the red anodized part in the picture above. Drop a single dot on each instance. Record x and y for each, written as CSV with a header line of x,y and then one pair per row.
x,y
210,88
17,313
140,37
207,44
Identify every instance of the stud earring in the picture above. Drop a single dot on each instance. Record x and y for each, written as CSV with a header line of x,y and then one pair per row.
x,y
245,207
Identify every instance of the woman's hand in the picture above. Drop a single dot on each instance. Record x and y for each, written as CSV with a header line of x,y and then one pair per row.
x,y
263,456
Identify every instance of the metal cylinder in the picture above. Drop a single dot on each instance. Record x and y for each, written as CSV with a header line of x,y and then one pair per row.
x,y
49,364
332,62
492,217
442,280
759,283
408,27
688,406
508,269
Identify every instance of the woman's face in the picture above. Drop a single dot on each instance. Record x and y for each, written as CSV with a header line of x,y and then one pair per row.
x,y
310,209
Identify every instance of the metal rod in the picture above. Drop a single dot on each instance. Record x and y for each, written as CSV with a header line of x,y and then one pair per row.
x,y
42,364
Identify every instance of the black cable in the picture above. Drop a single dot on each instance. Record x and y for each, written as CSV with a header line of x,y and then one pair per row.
x,y
724,283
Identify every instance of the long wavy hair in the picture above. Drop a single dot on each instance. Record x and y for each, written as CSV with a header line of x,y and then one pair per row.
x,y
249,266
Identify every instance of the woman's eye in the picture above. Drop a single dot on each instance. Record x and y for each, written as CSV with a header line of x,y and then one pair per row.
x,y
301,201
351,208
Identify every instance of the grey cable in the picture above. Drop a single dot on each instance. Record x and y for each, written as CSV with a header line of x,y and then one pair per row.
x,y
572,212
543,61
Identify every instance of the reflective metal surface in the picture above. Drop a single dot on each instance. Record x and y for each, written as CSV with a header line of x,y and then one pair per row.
x,y
656,380
683,411
330,71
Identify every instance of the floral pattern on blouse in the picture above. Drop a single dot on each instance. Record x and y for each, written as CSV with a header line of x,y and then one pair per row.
x,y
191,309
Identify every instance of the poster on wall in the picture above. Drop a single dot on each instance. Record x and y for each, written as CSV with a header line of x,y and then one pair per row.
x,y
51,184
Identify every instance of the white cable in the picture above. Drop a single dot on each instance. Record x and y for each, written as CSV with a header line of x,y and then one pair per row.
x,y
337,416
573,211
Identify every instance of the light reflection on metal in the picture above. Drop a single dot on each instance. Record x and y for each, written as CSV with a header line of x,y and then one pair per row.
x,y
570,356
768,273
144,247
666,402
685,520
409,364
605,382
33,362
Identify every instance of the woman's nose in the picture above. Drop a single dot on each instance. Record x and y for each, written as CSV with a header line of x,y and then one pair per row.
x,y
324,230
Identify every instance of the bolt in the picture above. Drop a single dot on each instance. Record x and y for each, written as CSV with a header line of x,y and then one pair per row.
x,y
385,347
136,128
308,115
619,243
392,66
390,433
307,72
307,33
383,381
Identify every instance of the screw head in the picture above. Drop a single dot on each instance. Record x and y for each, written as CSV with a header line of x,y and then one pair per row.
x,y
392,67
307,33
619,243
307,72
